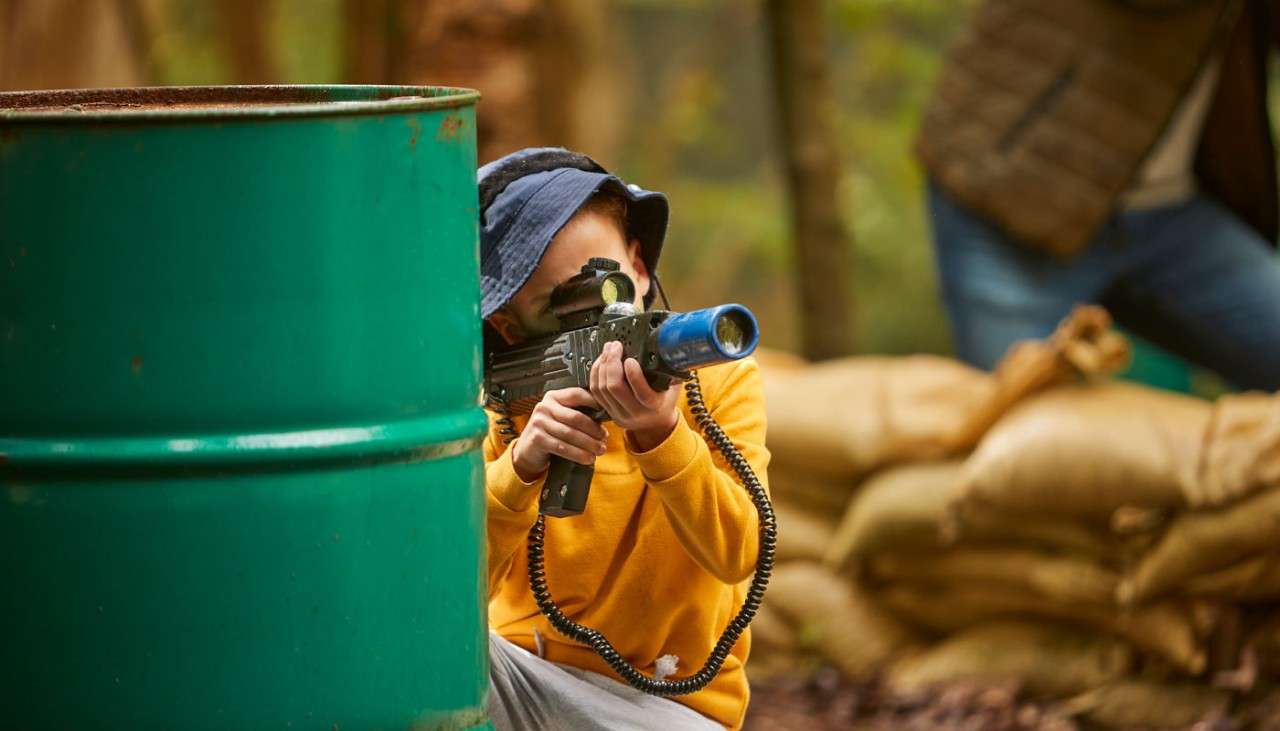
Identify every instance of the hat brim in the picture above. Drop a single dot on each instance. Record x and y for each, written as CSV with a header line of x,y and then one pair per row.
x,y
512,259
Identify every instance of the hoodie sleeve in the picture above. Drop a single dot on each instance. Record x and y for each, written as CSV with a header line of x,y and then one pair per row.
x,y
512,507
711,513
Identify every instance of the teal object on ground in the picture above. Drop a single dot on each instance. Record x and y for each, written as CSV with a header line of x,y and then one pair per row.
x,y
240,478
1153,366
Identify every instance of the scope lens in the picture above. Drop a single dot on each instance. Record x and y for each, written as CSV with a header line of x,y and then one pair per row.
x,y
730,333
609,290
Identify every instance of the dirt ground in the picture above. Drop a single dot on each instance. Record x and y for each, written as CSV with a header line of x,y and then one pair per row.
x,y
825,701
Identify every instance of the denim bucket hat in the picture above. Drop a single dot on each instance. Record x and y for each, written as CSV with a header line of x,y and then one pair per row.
x,y
547,186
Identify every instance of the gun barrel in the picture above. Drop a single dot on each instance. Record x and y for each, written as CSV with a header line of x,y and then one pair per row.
x,y
690,340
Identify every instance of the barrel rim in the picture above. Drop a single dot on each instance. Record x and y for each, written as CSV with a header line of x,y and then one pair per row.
x,y
437,436
263,102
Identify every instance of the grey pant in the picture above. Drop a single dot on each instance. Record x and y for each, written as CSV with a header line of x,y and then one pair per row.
x,y
529,693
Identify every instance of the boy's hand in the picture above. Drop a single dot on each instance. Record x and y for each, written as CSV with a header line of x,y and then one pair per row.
x,y
649,416
557,427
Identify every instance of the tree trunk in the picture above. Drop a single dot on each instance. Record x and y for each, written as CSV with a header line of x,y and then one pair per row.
x,y
245,26
54,44
805,108
378,40
542,67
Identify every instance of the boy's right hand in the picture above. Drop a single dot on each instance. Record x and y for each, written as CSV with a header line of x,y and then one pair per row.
x,y
556,427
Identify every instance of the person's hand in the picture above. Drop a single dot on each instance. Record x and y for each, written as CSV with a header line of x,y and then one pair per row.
x,y
620,387
557,427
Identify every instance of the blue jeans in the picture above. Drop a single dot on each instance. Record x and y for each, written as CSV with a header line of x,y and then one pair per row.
x,y
1189,277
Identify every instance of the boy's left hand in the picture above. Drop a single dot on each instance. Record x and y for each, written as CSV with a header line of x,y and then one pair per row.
x,y
620,387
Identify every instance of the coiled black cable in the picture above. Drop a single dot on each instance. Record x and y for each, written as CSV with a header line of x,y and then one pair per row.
x,y
506,425
768,531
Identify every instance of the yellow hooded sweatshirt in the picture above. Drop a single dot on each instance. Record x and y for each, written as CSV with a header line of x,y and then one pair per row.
x,y
659,561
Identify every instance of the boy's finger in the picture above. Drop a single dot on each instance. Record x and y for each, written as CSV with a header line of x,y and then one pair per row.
x,y
574,398
640,386
593,378
554,446
608,403
615,382
577,420
576,438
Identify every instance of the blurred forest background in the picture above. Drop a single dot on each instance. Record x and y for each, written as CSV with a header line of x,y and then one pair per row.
x,y
676,95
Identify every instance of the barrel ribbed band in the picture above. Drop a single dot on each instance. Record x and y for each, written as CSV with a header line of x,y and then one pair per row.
x,y
437,436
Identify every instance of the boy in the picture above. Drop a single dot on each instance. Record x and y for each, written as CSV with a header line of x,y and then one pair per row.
x,y
659,560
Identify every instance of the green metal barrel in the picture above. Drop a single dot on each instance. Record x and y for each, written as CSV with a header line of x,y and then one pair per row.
x,y
240,479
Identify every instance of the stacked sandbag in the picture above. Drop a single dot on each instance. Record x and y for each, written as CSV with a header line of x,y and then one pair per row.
x,y
841,419
1043,658
832,424
1119,512
1080,453
1088,541
899,541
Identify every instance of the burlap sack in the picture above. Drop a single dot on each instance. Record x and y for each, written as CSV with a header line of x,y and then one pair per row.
x,y
1083,345
844,418
983,524
1044,659
1253,580
1264,642
1136,703
1242,448
1061,578
1081,452
900,509
771,633
1173,631
778,665
905,510
815,492
772,359
1204,541
845,626
847,417
803,535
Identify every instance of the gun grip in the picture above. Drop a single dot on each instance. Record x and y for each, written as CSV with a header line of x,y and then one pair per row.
x,y
565,490
564,493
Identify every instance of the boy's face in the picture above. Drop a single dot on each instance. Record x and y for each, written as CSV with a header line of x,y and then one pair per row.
x,y
587,234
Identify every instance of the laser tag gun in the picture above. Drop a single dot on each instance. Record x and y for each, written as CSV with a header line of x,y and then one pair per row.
x,y
594,307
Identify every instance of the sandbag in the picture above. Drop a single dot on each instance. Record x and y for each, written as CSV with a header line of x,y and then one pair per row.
x,y
1081,452
983,524
1253,580
1203,541
849,629
774,665
821,493
773,359
771,633
1173,631
1136,703
803,535
1242,448
774,648
849,416
1264,642
846,417
905,510
1044,659
1083,345
900,509
1061,578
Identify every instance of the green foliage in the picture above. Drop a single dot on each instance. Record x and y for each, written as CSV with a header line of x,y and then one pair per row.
x,y
710,142
702,128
